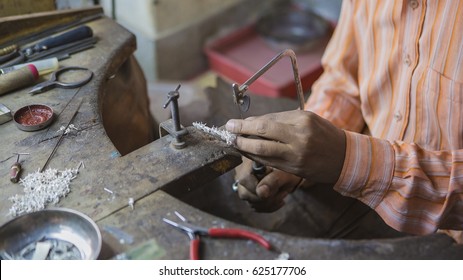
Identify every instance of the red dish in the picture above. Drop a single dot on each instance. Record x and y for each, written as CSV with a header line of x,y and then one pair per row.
x,y
33,117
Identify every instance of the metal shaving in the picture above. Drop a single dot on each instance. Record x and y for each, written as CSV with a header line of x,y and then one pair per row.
x,y
283,256
226,136
54,249
69,129
41,189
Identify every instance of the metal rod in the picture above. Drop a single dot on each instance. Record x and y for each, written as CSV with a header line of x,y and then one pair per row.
x,y
172,97
238,92
61,137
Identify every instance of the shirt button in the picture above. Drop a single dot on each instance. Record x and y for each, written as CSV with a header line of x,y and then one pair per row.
x,y
414,4
397,116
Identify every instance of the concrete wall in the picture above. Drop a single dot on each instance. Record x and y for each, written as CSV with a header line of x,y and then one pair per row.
x,y
171,33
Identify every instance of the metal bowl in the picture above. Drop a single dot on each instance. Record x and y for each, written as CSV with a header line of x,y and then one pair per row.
x,y
296,29
61,234
33,117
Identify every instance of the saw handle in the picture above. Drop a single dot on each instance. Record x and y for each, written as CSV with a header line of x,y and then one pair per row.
x,y
73,35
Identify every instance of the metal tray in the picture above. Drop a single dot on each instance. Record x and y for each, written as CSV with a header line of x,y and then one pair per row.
x,y
71,234
33,117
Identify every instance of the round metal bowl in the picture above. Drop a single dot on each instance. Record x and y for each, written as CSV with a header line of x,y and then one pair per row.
x,y
33,117
296,29
61,233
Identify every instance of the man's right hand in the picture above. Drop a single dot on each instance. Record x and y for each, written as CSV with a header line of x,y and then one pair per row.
x,y
268,194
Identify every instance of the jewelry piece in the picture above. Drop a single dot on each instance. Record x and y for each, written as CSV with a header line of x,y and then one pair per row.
x,y
235,185
226,136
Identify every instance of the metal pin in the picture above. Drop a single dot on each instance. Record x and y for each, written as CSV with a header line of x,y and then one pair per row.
x,y
30,111
131,202
108,190
180,216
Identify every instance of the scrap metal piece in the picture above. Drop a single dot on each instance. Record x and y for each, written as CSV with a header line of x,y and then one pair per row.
x,y
42,249
5,114
131,203
122,236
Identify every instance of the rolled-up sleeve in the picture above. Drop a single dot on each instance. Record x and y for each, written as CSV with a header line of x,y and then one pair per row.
x,y
335,95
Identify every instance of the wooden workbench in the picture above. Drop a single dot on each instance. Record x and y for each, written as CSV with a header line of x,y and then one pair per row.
x,y
114,141
113,120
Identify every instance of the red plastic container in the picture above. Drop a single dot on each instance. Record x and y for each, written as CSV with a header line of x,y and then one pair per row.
x,y
242,53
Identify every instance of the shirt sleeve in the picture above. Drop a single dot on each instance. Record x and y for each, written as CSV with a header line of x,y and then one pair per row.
x,y
335,95
413,190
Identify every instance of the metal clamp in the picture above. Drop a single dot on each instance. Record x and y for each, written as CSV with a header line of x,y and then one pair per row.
x,y
172,126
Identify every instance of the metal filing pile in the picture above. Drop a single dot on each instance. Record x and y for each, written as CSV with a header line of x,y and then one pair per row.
x,y
41,189
22,63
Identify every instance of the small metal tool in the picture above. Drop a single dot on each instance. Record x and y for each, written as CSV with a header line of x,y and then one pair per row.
x,y
19,78
258,170
15,170
55,82
46,47
8,49
195,232
61,138
172,97
70,36
173,126
243,101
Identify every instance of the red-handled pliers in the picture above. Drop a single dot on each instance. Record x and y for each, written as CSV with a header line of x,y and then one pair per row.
x,y
194,232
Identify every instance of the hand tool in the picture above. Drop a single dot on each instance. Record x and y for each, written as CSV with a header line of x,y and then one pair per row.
x,y
73,35
43,66
258,170
18,79
194,232
8,53
13,58
61,137
69,38
243,101
64,51
34,36
55,82
15,170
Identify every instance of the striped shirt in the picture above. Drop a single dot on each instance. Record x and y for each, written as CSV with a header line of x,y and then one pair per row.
x,y
395,68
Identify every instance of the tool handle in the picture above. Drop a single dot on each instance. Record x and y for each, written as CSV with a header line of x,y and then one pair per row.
x,y
18,79
43,66
241,234
14,172
258,170
194,249
73,35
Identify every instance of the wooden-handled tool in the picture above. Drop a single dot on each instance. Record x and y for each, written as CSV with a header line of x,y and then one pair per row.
x,y
17,79
15,170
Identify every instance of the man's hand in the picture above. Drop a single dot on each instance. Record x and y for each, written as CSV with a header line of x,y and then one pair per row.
x,y
266,195
298,142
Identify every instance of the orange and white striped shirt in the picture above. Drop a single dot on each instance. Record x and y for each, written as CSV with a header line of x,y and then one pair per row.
x,y
396,69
